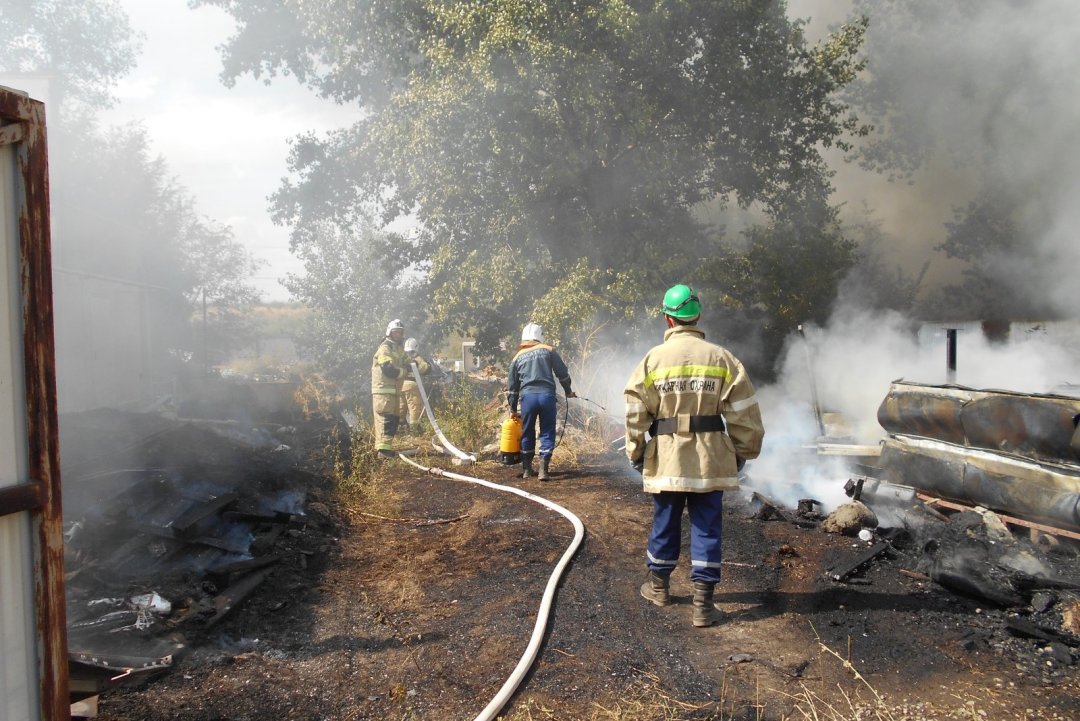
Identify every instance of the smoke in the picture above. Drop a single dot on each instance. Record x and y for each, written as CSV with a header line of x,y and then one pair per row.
x,y
850,363
971,97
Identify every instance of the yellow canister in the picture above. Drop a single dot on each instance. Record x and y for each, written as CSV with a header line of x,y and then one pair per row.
x,y
510,441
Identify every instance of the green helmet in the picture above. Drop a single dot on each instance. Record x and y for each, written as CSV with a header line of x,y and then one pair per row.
x,y
682,302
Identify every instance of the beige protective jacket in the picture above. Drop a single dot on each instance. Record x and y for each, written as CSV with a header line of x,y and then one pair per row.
x,y
390,351
422,367
682,378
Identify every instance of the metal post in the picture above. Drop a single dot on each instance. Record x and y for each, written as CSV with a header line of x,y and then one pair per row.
x,y
950,355
813,384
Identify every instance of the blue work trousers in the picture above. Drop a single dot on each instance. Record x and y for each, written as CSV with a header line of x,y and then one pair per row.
x,y
706,525
536,406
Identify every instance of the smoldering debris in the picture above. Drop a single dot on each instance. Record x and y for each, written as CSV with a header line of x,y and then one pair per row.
x,y
157,555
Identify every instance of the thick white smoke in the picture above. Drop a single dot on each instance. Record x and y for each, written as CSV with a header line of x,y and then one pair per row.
x,y
851,363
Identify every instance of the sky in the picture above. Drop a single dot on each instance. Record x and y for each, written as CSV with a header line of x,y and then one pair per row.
x,y
227,146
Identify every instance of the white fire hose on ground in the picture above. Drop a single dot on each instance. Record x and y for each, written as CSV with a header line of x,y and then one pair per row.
x,y
462,455
525,662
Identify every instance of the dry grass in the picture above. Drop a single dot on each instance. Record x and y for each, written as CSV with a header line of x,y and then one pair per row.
x,y
468,415
317,397
359,473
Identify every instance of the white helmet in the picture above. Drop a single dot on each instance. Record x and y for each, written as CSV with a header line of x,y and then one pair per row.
x,y
533,331
395,324
412,346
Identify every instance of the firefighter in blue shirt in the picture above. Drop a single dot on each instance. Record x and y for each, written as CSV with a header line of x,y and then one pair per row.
x,y
531,382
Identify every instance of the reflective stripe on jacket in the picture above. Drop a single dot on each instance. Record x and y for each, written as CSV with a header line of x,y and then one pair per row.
x,y
422,367
687,376
390,351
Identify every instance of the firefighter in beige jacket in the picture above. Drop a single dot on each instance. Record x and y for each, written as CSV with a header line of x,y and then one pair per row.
x,y
695,401
388,367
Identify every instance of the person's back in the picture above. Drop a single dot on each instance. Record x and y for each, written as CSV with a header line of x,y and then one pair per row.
x,y
531,379
685,382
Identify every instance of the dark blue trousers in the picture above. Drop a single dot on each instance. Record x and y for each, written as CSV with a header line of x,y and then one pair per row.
x,y
706,525
538,406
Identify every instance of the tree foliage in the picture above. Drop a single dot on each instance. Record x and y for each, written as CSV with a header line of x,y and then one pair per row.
x,y
83,47
119,214
981,86
550,151
351,300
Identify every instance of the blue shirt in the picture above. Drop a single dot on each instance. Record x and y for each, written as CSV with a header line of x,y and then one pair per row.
x,y
534,370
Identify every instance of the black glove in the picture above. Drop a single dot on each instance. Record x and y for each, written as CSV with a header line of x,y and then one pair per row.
x,y
639,465
739,463
571,394
390,370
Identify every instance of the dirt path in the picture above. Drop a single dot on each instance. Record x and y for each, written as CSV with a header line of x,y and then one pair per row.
x,y
423,617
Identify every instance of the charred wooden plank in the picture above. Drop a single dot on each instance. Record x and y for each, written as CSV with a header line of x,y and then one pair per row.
x,y
198,511
841,573
243,516
235,594
1019,626
220,576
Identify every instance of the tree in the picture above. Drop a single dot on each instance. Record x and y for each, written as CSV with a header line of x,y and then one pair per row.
x,y
85,47
351,302
120,215
524,137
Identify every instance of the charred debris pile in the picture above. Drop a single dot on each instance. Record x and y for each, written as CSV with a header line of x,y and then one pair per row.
x,y
977,492
164,544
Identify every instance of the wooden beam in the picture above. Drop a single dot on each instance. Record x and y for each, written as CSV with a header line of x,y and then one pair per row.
x,y
1041,527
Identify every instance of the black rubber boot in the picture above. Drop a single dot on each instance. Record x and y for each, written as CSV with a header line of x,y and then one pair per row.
x,y
544,461
705,613
527,470
656,589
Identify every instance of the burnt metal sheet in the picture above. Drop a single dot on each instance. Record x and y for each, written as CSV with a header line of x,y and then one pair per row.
x,y
929,411
1039,427
1016,486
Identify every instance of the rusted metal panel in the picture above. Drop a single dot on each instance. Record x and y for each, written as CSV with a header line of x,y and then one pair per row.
x,y
42,459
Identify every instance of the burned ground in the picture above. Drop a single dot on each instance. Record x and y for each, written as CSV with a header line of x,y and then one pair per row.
x,y
419,605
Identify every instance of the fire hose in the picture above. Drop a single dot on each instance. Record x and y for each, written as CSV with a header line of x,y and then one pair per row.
x,y
462,455
540,627
525,662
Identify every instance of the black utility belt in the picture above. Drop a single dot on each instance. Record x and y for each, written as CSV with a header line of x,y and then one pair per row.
x,y
698,424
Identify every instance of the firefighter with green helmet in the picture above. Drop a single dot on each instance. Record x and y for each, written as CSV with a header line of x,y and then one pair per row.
x,y
388,368
692,421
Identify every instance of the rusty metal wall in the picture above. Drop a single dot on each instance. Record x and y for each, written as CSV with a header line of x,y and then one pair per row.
x,y
33,636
